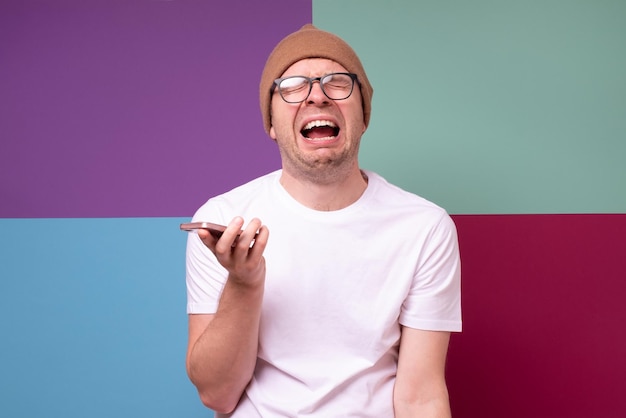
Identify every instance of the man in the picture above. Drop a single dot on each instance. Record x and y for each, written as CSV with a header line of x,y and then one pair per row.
x,y
347,308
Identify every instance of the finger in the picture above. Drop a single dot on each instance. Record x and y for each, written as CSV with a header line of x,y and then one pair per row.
x,y
230,236
260,242
207,239
248,236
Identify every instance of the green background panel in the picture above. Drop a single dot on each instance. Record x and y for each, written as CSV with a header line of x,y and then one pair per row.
x,y
494,106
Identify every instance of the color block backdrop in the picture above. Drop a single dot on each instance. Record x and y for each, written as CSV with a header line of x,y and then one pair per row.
x,y
118,119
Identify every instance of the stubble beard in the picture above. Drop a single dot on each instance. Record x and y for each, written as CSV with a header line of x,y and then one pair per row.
x,y
316,169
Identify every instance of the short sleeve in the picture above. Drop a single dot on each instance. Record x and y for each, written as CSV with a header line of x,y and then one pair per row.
x,y
205,277
434,300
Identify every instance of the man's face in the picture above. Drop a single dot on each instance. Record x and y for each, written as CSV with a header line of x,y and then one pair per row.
x,y
318,137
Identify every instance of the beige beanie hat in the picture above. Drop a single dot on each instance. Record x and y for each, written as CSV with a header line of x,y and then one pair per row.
x,y
311,42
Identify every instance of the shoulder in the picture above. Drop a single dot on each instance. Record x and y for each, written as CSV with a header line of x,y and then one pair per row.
x,y
220,208
252,186
389,197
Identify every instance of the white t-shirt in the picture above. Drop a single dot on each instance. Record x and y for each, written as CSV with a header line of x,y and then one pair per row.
x,y
338,286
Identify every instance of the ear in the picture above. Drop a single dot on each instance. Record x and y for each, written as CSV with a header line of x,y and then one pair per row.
x,y
272,133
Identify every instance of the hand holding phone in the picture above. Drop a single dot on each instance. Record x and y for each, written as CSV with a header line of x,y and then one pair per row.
x,y
245,263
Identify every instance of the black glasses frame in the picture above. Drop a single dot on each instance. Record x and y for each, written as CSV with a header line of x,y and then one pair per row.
x,y
311,80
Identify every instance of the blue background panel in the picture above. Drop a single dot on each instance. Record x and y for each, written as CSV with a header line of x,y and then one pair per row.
x,y
93,321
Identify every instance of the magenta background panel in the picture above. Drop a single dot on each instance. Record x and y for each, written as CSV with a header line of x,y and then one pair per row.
x,y
543,312
133,108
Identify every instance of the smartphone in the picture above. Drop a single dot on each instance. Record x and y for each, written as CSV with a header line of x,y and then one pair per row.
x,y
214,229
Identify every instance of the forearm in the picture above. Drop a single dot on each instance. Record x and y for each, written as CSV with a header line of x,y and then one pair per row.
x,y
420,389
223,358
432,408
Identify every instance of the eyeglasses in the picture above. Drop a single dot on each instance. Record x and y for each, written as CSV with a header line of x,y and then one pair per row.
x,y
336,86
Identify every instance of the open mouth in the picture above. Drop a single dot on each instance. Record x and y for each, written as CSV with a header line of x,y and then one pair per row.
x,y
320,129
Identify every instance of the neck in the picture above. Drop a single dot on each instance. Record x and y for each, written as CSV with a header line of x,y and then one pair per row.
x,y
330,195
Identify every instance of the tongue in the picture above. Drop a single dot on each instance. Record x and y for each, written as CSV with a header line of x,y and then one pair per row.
x,y
321,132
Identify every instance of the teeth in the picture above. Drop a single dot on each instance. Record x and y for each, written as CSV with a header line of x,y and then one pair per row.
x,y
318,124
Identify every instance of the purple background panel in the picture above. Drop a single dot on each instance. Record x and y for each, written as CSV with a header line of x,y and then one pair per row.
x,y
124,109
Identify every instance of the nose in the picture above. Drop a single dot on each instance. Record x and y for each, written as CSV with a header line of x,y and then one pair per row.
x,y
317,95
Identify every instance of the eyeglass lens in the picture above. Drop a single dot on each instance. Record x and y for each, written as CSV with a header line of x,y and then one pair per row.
x,y
336,86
